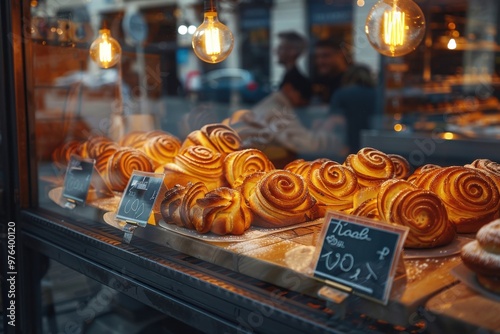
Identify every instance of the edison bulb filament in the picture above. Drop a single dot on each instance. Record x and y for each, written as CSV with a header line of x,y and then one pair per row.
x,y
105,51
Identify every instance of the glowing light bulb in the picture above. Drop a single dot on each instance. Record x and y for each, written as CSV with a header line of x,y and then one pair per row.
x,y
395,27
212,41
452,44
105,51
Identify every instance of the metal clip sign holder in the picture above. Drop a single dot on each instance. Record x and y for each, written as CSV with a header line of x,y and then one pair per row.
x,y
128,230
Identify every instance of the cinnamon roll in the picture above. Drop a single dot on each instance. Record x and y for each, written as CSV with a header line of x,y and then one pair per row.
x,y
302,167
161,149
224,212
489,167
122,164
62,154
281,198
195,164
402,168
134,139
371,166
171,203
368,209
239,164
332,185
420,171
218,137
471,197
191,213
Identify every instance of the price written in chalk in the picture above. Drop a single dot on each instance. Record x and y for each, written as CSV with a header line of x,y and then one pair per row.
x,y
78,178
139,197
359,255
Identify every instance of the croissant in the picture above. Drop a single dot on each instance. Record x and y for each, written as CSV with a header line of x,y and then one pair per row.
x,y
161,149
190,212
402,167
122,164
195,164
224,212
281,198
371,166
332,185
239,164
171,203
217,137
471,197
401,203
489,167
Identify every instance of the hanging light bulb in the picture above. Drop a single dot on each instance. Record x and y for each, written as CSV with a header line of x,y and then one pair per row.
x,y
212,41
105,51
395,27
452,44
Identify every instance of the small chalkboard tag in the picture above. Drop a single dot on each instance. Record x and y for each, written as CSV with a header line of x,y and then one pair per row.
x,y
139,198
359,255
77,180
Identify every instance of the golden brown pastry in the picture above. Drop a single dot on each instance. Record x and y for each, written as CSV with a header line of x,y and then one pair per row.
x,y
302,167
240,164
483,256
62,154
332,185
190,212
96,144
249,184
368,209
371,166
471,197
195,164
134,139
161,149
171,203
218,137
281,198
224,212
402,168
401,203
106,150
122,164
490,167
417,176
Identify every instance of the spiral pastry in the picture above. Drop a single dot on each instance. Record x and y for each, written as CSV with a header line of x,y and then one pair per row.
x,y
161,149
371,166
368,209
302,167
471,197
106,150
490,167
62,154
195,164
224,212
239,164
424,213
171,203
420,171
190,212
332,185
218,137
402,167
281,198
96,144
134,139
249,184
121,165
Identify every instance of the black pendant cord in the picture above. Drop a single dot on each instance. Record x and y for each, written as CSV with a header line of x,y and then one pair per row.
x,y
210,6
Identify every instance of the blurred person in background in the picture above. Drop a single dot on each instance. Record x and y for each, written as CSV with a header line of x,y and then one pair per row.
x,y
330,65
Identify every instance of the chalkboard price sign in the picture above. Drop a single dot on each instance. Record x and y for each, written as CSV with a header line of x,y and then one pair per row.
x,y
77,180
139,197
359,254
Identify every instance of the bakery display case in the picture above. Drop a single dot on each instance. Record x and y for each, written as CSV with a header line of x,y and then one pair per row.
x,y
141,204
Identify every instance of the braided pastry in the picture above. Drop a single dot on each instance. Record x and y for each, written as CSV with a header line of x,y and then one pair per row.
x,y
281,198
195,164
471,197
401,203
332,185
371,166
122,164
224,212
402,167
239,164
171,203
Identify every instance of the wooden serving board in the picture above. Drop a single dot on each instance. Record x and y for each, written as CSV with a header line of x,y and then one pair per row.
x,y
283,259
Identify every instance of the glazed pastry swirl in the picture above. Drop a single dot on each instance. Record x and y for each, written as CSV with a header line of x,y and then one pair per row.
x,y
371,166
281,198
368,209
190,212
195,164
62,154
106,150
218,137
471,197
121,165
224,212
171,203
161,149
420,171
238,165
302,167
135,139
332,185
489,167
401,166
